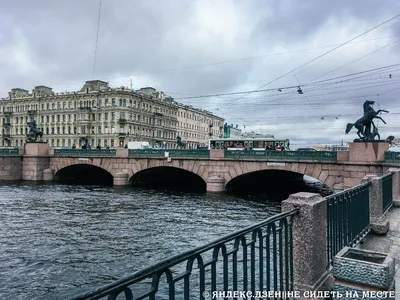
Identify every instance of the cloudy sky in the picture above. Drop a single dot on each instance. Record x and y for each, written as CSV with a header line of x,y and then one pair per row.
x,y
210,47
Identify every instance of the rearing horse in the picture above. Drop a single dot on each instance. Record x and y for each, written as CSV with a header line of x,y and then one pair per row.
x,y
366,121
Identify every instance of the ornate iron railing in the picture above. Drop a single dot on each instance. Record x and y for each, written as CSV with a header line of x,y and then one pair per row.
x,y
257,258
387,191
9,152
289,155
347,219
392,157
85,152
171,153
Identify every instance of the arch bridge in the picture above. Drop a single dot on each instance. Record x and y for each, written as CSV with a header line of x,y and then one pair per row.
x,y
218,170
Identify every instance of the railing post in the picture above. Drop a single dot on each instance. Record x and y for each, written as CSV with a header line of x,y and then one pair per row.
x,y
396,186
309,242
378,221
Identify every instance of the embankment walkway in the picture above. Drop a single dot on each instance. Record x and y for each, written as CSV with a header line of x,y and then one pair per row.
x,y
389,243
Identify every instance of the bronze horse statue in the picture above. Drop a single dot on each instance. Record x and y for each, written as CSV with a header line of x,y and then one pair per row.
x,y
180,143
34,133
366,121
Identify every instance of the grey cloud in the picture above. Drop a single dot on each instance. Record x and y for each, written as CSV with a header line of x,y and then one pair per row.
x,y
53,42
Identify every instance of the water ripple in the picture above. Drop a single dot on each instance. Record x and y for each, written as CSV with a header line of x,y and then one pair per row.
x,y
59,240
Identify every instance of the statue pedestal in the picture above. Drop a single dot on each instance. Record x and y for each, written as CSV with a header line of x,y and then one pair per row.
x,y
36,149
36,160
368,151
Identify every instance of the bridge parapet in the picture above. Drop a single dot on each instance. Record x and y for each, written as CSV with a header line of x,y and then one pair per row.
x,y
10,152
85,152
392,157
283,155
195,153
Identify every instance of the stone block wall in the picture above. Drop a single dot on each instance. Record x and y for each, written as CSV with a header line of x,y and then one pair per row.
x,y
33,167
11,168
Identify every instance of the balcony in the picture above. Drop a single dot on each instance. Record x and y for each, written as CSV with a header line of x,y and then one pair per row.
x,y
6,135
32,112
85,108
157,114
122,121
86,121
7,113
122,134
211,125
7,124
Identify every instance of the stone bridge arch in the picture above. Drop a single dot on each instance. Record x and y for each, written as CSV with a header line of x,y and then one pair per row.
x,y
323,172
216,173
59,163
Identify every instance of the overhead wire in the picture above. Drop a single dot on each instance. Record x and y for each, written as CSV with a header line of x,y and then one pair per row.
x,y
318,57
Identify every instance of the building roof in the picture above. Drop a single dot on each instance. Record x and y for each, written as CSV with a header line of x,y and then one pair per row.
x,y
96,81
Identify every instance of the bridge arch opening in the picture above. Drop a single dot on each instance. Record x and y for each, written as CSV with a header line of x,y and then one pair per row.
x,y
275,184
170,178
84,174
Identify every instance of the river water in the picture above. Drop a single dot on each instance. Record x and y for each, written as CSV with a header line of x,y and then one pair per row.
x,y
60,240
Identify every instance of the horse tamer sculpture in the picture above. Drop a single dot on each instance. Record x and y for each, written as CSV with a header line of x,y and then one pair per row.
x,y
35,134
363,125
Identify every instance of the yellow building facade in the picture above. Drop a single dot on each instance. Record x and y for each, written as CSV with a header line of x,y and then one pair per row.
x,y
95,115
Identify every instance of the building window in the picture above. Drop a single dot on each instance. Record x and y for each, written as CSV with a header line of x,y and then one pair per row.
x,y
113,116
106,116
99,130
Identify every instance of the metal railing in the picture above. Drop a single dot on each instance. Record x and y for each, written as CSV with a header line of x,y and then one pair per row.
x,y
257,258
387,191
289,155
9,152
85,152
347,219
392,157
171,153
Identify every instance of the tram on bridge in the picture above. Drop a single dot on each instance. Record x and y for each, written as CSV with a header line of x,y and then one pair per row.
x,y
248,143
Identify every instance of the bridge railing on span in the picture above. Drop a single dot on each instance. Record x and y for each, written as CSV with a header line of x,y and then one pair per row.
x,y
195,153
85,152
257,258
392,157
282,155
9,152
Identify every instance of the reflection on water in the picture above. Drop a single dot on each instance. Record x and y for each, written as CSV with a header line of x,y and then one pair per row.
x,y
59,240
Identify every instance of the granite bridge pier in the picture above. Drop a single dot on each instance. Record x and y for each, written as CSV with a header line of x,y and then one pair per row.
x,y
218,170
